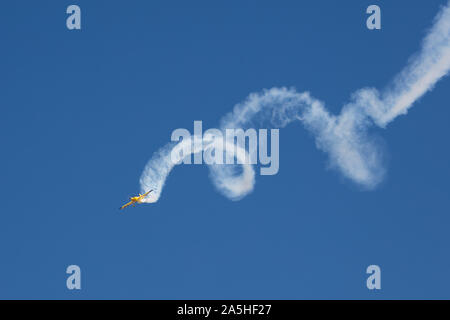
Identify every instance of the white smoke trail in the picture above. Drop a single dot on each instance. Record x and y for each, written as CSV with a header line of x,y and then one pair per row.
x,y
163,161
344,137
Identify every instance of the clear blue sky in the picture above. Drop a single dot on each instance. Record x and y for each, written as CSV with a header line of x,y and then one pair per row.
x,y
83,111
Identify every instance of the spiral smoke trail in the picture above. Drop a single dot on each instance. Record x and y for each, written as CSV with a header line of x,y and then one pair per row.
x,y
343,137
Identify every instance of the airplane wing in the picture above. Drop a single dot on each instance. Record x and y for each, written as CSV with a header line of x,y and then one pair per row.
x,y
142,197
126,205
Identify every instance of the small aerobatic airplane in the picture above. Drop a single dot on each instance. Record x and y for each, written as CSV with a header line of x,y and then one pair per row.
x,y
137,199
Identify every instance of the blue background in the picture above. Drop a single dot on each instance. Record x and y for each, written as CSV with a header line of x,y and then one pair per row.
x,y
83,111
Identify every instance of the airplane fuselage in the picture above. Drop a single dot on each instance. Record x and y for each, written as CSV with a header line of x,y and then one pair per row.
x,y
137,199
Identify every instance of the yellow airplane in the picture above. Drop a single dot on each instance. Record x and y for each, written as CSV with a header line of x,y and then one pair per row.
x,y
134,200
